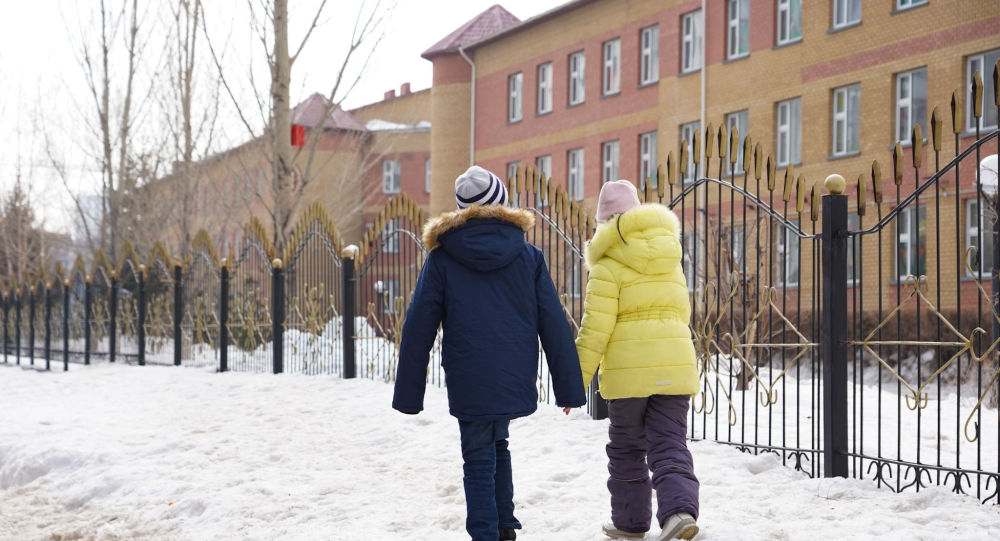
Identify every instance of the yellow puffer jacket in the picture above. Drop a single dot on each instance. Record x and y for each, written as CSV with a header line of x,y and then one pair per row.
x,y
636,313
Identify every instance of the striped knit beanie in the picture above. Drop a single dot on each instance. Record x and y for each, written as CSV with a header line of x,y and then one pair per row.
x,y
477,186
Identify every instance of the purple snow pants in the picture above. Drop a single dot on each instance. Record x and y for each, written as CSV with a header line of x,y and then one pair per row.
x,y
649,435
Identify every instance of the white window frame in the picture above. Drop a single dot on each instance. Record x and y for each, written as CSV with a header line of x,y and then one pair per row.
x,y
741,120
972,230
909,102
612,72
788,130
574,176
690,270
388,290
787,249
738,240
692,42
577,79
390,237
648,143
427,175
687,132
545,88
907,4
609,161
842,13
785,22
846,120
974,63
512,169
391,175
543,164
515,84
574,289
649,55
737,27
908,226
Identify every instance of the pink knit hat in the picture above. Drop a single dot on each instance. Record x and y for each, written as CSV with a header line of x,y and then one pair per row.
x,y
616,198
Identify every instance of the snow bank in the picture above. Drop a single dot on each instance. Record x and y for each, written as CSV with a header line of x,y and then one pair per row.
x,y
118,452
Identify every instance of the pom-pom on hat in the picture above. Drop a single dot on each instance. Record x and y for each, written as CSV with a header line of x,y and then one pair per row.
x,y
616,198
477,186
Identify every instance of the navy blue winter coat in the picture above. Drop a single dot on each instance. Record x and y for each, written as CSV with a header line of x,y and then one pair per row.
x,y
492,294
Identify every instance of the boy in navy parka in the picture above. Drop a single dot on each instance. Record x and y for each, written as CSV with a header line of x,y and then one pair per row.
x,y
491,293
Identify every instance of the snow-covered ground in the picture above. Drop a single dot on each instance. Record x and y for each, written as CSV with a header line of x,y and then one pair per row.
x,y
122,452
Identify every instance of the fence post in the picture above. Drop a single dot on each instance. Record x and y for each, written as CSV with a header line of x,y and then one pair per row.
x,y
6,321
87,301
348,311
141,331
278,314
224,316
833,346
598,405
17,327
65,325
31,326
48,328
178,312
113,317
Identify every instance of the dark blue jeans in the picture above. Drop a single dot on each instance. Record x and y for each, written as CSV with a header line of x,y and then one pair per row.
x,y
489,486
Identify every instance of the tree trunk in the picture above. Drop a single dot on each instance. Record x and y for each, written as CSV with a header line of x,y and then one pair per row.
x,y
281,124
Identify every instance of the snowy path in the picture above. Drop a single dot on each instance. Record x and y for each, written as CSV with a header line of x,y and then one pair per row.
x,y
115,452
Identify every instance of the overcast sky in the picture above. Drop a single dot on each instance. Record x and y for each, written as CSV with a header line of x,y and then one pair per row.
x,y
42,84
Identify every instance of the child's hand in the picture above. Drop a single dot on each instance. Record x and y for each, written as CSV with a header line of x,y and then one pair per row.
x,y
566,410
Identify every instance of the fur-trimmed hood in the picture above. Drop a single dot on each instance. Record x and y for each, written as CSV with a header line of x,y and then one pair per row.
x,y
480,237
644,238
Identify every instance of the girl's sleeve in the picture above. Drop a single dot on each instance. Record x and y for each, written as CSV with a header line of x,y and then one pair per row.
x,y
600,313
423,317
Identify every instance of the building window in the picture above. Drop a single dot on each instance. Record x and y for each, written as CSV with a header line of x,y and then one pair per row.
x,y
574,165
390,176
514,83
911,103
649,55
390,237
907,4
512,169
576,283
691,41
975,222
738,29
687,136
543,164
545,88
846,120
612,66
739,247
789,21
427,175
789,132
741,121
911,252
846,12
787,255
576,80
982,63
689,267
647,158
609,169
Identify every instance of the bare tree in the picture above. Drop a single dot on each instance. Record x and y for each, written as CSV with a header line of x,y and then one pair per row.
x,y
292,170
119,102
21,250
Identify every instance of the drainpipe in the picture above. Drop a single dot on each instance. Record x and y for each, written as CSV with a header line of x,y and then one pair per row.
x,y
704,63
472,108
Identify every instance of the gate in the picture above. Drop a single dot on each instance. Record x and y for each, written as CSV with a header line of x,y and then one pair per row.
x,y
249,324
313,296
199,320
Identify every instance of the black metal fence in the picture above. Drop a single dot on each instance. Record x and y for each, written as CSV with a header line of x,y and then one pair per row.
x,y
846,336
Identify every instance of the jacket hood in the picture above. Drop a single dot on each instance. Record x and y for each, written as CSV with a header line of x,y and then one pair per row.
x,y
483,238
650,245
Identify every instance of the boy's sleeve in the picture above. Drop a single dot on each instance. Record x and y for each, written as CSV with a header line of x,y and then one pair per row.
x,y
557,341
600,313
423,317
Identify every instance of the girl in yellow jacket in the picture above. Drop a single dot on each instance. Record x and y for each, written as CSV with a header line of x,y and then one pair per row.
x,y
635,329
